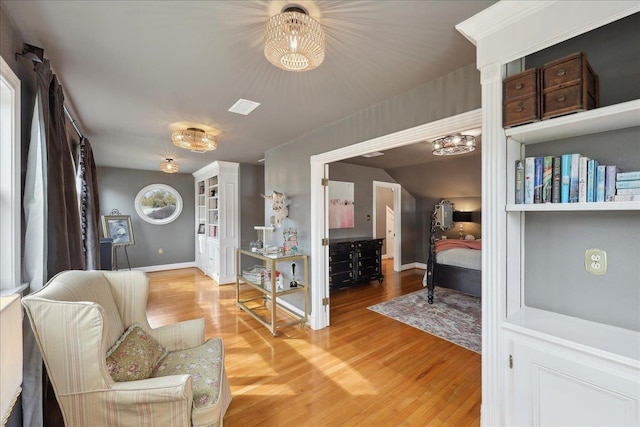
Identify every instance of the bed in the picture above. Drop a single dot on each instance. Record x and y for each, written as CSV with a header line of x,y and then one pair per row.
x,y
452,263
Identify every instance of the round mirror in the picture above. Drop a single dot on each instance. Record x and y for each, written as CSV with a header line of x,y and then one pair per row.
x,y
158,204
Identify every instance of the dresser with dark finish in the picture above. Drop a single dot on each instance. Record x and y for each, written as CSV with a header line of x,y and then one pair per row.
x,y
353,261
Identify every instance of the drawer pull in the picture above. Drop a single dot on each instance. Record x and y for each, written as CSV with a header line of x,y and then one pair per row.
x,y
519,86
519,108
562,72
561,98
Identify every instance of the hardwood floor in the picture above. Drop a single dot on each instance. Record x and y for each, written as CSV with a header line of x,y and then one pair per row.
x,y
363,370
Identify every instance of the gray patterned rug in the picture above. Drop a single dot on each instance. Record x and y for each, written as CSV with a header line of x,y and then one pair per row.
x,y
453,316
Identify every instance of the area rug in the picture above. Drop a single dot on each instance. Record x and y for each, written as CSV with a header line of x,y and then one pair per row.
x,y
453,316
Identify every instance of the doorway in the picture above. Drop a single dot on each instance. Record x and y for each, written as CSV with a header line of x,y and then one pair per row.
x,y
319,317
386,202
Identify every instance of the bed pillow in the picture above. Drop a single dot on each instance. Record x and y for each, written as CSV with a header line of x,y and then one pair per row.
x,y
134,355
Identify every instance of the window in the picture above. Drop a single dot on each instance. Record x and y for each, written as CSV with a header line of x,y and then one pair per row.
x,y
10,231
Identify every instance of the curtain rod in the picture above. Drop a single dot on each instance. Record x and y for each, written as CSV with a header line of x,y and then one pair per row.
x,y
73,122
36,55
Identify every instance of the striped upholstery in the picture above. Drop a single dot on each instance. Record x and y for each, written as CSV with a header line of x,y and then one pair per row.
x,y
77,317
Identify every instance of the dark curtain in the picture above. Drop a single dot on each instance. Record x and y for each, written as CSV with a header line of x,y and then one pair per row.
x,y
69,217
89,204
64,237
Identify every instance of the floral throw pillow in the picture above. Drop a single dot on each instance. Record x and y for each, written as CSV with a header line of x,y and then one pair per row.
x,y
134,355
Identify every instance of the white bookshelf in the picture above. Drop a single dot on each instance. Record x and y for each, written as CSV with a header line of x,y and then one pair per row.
x,y
544,363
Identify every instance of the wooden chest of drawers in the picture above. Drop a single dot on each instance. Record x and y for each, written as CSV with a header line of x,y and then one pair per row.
x,y
569,85
521,98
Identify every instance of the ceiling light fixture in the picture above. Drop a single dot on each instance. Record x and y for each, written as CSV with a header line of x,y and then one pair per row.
x,y
194,139
169,166
454,144
293,40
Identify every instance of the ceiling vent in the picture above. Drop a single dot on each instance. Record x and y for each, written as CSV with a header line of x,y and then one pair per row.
x,y
244,107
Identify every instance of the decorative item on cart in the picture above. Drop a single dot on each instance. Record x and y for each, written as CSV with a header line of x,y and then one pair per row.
x,y
290,244
279,207
264,236
294,282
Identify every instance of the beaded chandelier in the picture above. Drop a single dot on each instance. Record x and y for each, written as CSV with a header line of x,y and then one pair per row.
x,y
293,41
195,140
454,144
169,166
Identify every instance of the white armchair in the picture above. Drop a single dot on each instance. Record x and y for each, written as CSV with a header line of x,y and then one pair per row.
x,y
79,315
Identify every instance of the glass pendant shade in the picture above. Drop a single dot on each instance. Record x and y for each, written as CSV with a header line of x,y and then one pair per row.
x,y
195,140
169,166
454,144
294,41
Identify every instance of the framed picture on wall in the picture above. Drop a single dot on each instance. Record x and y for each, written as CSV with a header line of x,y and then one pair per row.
x,y
341,205
118,228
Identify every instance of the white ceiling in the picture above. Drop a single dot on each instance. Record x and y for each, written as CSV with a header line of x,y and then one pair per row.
x,y
131,69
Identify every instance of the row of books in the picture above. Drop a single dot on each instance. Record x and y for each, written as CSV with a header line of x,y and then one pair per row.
x,y
572,178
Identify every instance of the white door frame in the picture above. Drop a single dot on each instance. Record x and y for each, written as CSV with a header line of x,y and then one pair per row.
x,y
318,317
397,226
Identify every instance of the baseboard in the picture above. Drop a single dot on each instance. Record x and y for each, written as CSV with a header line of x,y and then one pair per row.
x,y
413,265
176,266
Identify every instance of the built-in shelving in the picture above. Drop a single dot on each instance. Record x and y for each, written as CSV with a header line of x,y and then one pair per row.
x,y
217,212
604,119
566,207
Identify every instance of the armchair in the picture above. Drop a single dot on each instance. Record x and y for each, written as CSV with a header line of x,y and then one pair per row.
x,y
79,315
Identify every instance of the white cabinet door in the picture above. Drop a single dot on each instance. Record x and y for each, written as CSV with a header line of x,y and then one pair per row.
x,y
212,268
556,386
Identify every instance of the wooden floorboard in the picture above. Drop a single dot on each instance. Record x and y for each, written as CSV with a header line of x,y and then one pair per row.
x,y
364,370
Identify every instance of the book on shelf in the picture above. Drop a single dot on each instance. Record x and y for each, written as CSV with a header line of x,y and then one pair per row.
x,y
628,184
582,179
547,178
519,196
628,176
573,181
600,182
538,179
610,183
556,176
626,198
592,166
529,168
565,170
628,191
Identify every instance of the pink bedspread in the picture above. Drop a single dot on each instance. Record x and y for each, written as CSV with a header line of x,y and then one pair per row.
x,y
442,245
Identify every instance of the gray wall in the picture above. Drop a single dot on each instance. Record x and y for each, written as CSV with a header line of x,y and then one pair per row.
x,y
455,178
251,184
287,167
118,189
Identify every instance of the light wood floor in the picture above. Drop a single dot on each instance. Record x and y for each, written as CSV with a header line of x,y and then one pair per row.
x,y
363,370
